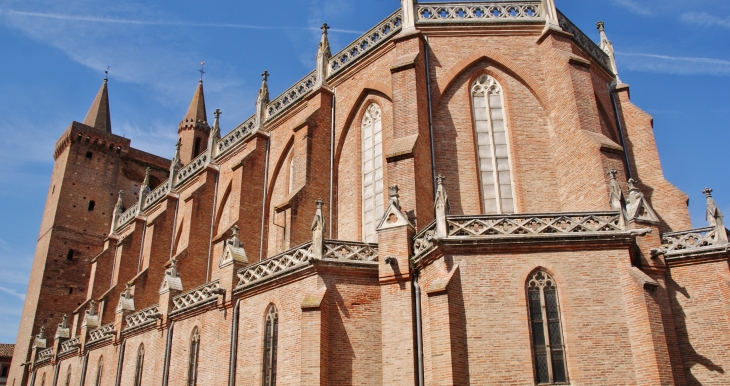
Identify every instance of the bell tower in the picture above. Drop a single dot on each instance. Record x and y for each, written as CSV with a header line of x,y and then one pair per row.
x,y
193,131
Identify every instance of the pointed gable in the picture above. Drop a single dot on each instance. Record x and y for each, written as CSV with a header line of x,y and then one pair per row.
x,y
196,110
98,116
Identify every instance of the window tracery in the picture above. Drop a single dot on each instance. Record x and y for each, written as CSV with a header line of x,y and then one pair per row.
x,y
546,330
271,331
193,359
372,172
495,174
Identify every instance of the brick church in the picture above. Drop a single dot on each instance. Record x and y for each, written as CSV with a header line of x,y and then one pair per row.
x,y
465,195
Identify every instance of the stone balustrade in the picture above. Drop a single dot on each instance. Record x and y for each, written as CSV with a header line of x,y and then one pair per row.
x,y
585,43
45,354
195,297
292,95
192,168
142,318
692,241
127,216
101,333
236,136
350,251
157,194
371,39
517,226
488,12
69,345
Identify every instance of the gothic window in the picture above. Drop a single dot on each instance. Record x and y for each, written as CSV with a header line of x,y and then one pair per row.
x,y
547,341
492,147
99,371
43,380
193,359
372,172
68,377
140,364
271,330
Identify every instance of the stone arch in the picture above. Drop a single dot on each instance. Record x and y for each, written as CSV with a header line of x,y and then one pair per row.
x,y
223,207
503,63
271,189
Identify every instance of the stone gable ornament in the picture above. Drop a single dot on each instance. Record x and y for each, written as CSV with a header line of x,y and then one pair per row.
x,y
715,218
40,339
91,319
172,280
233,251
175,165
63,331
393,217
638,208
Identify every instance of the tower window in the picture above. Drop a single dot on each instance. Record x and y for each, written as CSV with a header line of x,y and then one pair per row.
x,y
196,150
92,204
70,290
89,155
372,172
492,146
547,339
70,254
271,330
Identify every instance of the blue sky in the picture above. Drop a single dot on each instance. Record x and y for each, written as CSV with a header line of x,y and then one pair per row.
x,y
676,59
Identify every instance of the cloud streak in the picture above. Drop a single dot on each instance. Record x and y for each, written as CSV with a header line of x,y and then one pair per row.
x,y
176,23
705,19
633,7
13,292
673,64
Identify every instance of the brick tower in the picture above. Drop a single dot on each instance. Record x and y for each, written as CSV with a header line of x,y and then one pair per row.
x,y
193,131
91,166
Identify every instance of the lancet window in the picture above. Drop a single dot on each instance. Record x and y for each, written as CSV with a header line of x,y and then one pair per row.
x,y
99,371
546,330
68,377
140,364
372,172
271,332
193,358
495,174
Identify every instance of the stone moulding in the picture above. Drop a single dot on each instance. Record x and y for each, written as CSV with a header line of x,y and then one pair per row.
x,y
69,346
292,95
692,242
302,256
195,297
487,12
142,318
101,333
585,43
157,194
368,41
192,168
517,226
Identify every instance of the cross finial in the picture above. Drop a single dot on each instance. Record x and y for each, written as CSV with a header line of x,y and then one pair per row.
x,y
324,28
202,70
600,25
178,145
106,74
265,75
217,113
707,192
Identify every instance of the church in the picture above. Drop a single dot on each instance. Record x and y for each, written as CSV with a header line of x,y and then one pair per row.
x,y
464,195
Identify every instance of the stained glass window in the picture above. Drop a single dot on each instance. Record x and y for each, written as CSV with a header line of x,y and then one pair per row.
x,y
547,339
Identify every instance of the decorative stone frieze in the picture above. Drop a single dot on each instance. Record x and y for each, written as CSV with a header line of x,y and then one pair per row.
x,y
458,13
367,42
69,346
292,95
143,317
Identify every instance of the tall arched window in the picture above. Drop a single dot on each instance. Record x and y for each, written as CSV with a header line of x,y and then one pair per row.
x,y
291,174
271,331
193,359
372,172
43,380
492,147
99,371
140,364
547,339
68,377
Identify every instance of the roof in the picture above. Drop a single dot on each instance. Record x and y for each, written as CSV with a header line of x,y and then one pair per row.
x,y
6,350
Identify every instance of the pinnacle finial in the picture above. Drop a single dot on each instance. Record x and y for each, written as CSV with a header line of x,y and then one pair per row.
x,y
217,113
600,25
265,75
324,28
106,74
707,192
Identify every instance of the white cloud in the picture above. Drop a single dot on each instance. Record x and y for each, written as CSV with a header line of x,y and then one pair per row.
x,y
634,7
705,19
673,65
13,292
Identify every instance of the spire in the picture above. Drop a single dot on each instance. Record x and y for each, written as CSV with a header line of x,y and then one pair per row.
x,y
215,134
118,210
607,47
551,15
323,57
714,217
196,110
144,190
262,100
98,116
